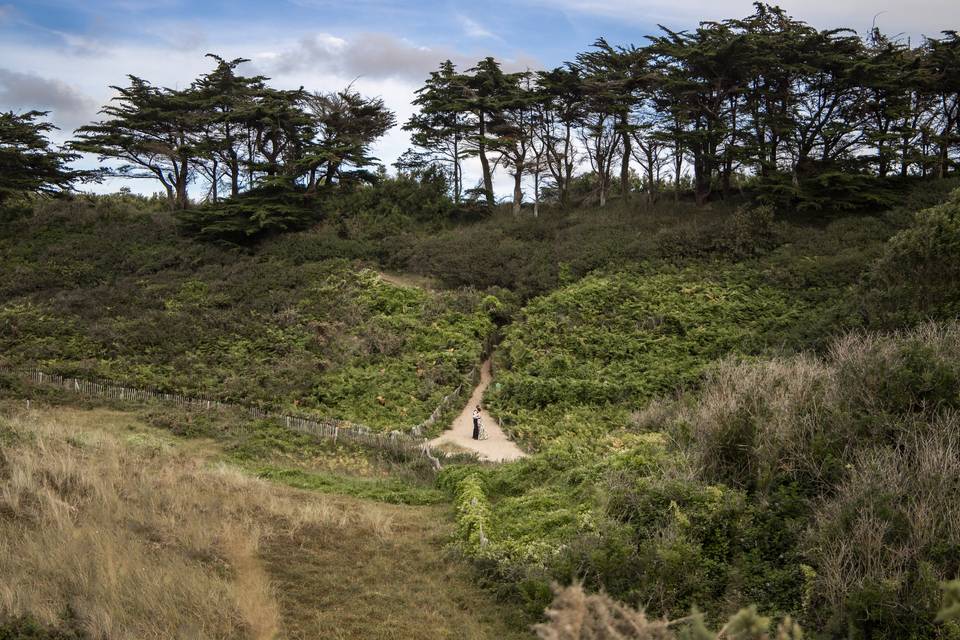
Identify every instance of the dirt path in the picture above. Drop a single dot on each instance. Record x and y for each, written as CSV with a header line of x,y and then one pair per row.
x,y
408,280
497,447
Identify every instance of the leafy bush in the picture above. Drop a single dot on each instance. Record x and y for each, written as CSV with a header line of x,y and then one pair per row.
x,y
918,275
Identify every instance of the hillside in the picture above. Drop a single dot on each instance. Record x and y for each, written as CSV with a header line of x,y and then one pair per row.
x,y
104,289
685,382
112,528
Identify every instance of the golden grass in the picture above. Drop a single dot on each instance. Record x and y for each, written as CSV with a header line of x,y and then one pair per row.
x,y
126,532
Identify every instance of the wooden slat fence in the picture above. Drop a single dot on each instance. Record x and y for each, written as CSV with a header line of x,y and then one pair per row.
x,y
320,427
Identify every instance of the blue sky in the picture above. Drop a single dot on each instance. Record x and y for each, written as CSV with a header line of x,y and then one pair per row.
x,y
62,55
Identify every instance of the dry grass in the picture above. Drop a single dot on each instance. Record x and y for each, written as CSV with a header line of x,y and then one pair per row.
x,y
754,422
576,615
884,520
124,532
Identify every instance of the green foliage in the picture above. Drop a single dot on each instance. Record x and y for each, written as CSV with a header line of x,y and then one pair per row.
x,y
918,275
625,338
795,483
102,290
267,209
28,162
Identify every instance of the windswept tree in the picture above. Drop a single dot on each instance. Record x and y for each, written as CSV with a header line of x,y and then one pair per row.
x,y
442,125
346,124
149,130
225,101
942,73
28,161
700,72
600,130
888,77
561,109
614,77
487,86
516,130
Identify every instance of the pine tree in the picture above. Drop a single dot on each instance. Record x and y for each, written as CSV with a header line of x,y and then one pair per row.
x,y
28,161
150,130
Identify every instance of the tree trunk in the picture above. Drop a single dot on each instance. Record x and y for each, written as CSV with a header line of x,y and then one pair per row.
x,y
215,182
625,165
485,164
457,188
234,176
517,191
536,194
651,180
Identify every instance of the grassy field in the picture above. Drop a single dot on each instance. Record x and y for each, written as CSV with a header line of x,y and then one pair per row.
x,y
113,528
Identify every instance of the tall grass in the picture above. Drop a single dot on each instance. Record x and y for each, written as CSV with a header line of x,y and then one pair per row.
x,y
868,437
137,540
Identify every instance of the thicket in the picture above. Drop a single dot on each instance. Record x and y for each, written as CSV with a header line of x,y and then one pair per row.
x,y
817,487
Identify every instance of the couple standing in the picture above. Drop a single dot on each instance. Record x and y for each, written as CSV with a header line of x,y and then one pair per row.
x,y
478,431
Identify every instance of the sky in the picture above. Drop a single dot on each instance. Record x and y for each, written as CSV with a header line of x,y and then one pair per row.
x,y
62,56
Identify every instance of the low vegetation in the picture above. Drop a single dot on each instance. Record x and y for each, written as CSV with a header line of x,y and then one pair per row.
x,y
817,487
100,515
576,615
105,290
618,340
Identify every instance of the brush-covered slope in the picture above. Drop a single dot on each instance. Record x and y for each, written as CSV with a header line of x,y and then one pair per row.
x,y
105,289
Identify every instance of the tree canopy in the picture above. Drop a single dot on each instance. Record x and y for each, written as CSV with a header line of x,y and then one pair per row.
x,y
802,116
29,163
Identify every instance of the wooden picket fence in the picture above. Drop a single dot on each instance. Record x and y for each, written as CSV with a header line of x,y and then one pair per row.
x,y
456,395
326,428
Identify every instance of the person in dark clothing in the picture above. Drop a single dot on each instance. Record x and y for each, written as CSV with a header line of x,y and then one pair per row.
x,y
476,423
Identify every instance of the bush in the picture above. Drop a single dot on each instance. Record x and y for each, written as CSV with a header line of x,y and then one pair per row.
x,y
918,275
886,537
800,419
863,441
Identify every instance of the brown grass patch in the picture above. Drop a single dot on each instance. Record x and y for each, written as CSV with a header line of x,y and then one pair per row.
x,y
122,531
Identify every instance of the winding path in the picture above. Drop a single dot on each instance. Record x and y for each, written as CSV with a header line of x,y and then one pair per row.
x,y
497,447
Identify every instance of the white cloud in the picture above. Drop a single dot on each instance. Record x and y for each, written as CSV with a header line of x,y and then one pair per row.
x,y
474,29
915,18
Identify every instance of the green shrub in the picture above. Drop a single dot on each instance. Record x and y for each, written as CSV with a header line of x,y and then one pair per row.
x,y
619,340
918,275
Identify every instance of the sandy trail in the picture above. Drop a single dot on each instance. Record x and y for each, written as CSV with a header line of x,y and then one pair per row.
x,y
497,447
